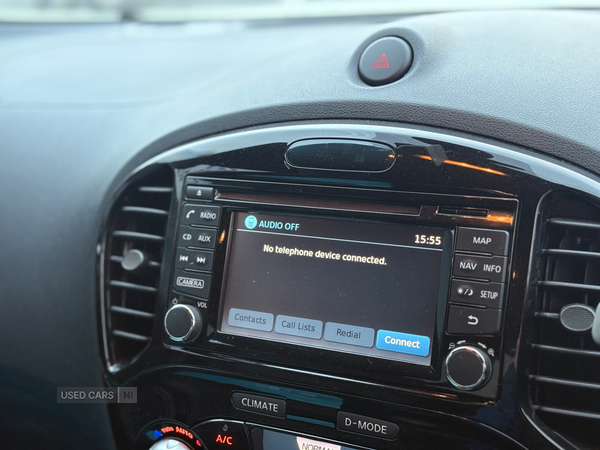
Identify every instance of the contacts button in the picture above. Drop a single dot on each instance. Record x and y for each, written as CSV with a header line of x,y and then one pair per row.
x,y
252,320
411,344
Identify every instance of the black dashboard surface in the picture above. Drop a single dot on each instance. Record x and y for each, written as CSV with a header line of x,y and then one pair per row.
x,y
81,107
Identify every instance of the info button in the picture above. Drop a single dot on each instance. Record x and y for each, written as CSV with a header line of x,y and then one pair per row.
x,y
411,344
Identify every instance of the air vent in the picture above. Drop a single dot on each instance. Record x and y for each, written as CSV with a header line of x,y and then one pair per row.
x,y
133,249
565,370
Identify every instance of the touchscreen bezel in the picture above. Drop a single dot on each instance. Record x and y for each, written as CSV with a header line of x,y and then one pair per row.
x,y
330,361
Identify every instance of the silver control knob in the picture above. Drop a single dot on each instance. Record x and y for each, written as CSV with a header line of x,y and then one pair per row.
x,y
170,444
468,368
183,323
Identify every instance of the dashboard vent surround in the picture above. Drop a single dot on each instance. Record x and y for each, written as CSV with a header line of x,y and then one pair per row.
x,y
564,375
131,262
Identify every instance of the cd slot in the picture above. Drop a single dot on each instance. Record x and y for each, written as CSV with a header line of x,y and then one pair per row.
x,y
320,203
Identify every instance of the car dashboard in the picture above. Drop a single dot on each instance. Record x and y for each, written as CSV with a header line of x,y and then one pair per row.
x,y
330,234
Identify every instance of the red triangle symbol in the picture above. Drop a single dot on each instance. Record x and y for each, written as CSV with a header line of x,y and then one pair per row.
x,y
381,63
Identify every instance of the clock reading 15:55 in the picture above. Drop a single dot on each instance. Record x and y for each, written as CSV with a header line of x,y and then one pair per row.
x,y
428,240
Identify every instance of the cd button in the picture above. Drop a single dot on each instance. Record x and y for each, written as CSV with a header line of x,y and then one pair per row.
x,y
483,241
465,320
197,237
484,267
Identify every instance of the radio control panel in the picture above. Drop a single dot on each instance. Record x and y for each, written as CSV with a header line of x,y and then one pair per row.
x,y
309,284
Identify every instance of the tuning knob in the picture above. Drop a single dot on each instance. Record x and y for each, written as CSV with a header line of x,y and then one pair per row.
x,y
183,323
468,368
170,444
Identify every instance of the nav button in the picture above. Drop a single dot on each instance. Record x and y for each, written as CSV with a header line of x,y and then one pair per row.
x,y
366,425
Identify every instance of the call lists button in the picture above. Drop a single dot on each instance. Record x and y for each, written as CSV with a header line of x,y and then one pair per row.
x,y
297,326
411,344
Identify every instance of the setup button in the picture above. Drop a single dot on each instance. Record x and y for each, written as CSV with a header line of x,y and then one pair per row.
x,y
411,344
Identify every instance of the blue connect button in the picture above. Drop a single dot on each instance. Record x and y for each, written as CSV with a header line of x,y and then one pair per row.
x,y
403,343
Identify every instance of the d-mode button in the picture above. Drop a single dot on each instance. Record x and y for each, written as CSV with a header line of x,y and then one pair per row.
x,y
366,425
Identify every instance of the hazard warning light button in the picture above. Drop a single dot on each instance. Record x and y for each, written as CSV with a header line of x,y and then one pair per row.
x,y
385,61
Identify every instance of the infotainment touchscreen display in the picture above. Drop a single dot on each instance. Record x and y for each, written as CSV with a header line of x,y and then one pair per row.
x,y
368,288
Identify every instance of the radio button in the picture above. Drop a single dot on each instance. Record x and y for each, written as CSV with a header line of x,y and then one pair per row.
x,y
206,215
483,241
466,320
197,237
484,267
490,295
192,283
366,425
199,192
259,404
193,259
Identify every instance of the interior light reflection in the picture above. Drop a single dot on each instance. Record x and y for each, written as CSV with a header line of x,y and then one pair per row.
x,y
465,165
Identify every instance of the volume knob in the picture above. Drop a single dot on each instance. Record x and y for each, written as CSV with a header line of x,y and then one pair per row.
x,y
468,368
183,323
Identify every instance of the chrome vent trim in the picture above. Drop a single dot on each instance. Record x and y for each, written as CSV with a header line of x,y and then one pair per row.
x,y
137,221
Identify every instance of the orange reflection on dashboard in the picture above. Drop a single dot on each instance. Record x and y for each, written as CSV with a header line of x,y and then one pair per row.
x,y
465,165
500,217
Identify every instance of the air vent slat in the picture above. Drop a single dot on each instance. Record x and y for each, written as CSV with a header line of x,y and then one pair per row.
x,y
132,312
144,210
564,371
133,287
563,285
574,223
560,381
134,235
547,315
132,336
119,260
155,189
570,351
132,253
568,412
571,253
